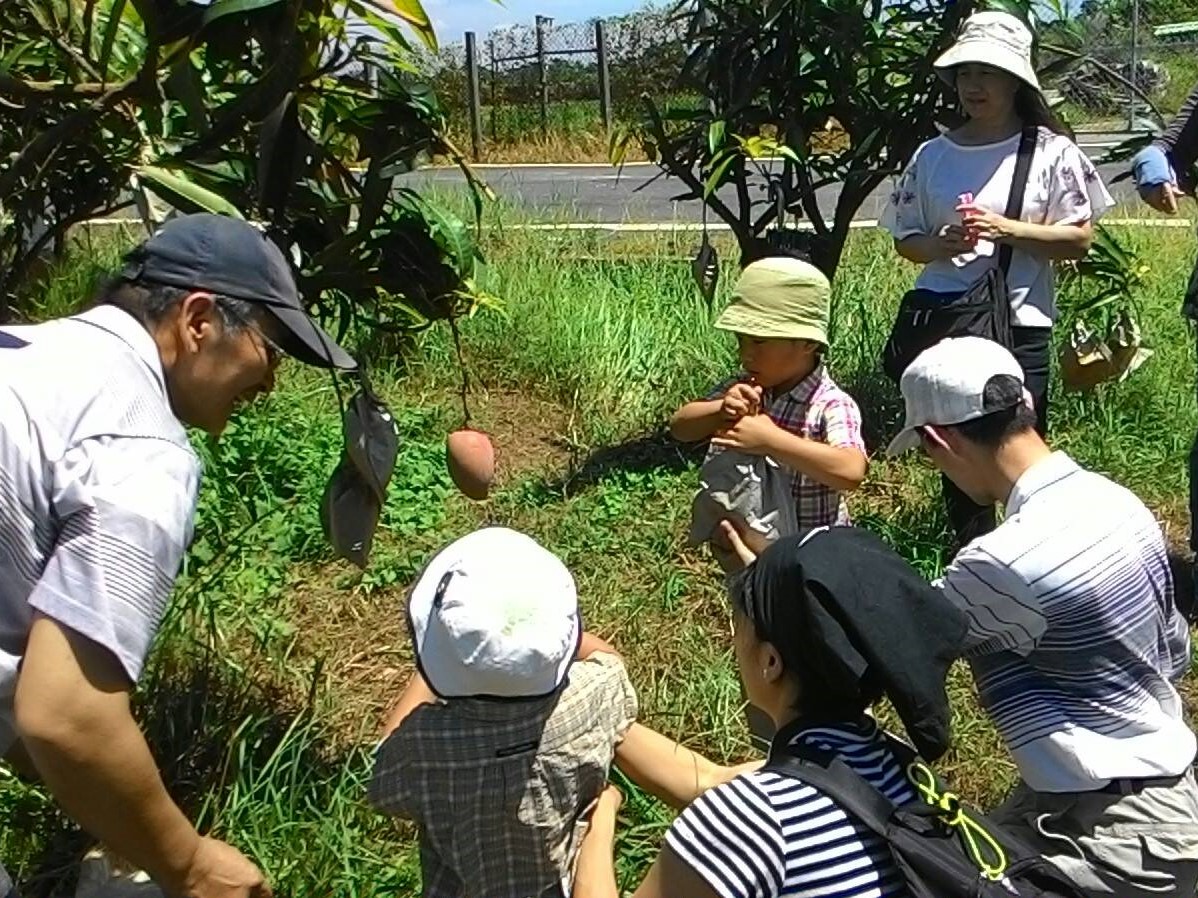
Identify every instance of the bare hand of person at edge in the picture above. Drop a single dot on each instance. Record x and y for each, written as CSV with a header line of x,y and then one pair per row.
x,y
1161,197
218,870
741,399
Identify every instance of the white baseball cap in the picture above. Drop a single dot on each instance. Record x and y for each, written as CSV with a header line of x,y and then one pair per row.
x,y
991,38
495,615
946,384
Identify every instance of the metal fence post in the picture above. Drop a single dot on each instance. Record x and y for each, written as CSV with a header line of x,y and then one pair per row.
x,y
543,71
604,74
1135,65
473,97
494,78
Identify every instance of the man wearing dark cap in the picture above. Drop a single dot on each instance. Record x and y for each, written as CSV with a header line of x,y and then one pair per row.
x,y
1075,638
97,491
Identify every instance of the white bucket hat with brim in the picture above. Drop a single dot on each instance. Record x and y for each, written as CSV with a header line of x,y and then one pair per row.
x,y
991,38
495,615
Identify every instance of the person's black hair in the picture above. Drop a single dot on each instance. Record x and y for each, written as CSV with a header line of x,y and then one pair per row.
x,y
1033,109
818,697
150,303
1010,418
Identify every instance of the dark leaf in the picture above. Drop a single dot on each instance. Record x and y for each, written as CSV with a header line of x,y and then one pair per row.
x,y
278,142
705,269
184,85
222,8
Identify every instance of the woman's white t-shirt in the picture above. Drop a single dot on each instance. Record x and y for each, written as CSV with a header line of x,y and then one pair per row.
x,y
1063,188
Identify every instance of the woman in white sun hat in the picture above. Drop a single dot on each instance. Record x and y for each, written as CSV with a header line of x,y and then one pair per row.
x,y
947,212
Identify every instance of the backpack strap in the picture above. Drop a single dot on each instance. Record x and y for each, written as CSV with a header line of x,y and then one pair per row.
x,y
859,797
1023,167
837,780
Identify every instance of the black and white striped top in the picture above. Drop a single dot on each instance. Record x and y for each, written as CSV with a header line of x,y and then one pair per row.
x,y
764,834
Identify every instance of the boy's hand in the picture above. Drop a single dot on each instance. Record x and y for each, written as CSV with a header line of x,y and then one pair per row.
x,y
754,434
741,399
590,644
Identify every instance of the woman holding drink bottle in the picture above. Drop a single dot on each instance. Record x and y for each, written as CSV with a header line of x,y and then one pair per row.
x,y
948,211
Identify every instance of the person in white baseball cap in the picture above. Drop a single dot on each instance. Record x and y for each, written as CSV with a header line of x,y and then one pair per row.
x,y
504,736
1075,637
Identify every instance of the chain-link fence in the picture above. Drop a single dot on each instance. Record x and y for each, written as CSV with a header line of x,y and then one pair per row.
x,y
567,81
1139,64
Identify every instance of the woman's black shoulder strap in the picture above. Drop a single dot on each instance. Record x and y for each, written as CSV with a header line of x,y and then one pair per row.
x,y
1023,168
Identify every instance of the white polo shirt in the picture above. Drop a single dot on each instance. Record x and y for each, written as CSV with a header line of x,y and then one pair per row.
x,y
98,487
1074,637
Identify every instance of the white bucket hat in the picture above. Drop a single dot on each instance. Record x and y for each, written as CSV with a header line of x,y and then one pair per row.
x,y
495,615
991,38
946,384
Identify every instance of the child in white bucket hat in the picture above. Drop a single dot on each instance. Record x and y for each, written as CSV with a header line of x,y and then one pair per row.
x,y
504,737
949,213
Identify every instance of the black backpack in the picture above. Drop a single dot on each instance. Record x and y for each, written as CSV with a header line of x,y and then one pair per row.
x,y
943,848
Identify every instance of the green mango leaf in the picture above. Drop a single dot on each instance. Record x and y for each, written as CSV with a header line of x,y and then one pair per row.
x,y
184,194
110,30
715,136
617,146
716,178
412,12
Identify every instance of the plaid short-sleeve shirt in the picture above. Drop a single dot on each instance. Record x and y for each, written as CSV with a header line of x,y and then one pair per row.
x,y
501,791
815,409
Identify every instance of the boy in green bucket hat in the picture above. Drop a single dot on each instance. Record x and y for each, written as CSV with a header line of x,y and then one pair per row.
x,y
783,406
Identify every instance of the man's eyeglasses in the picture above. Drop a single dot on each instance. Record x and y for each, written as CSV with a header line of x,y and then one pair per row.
x,y
274,352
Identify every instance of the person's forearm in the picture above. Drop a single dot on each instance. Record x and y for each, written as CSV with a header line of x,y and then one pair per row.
x,y
922,248
1051,241
415,694
595,870
697,420
669,771
89,752
836,467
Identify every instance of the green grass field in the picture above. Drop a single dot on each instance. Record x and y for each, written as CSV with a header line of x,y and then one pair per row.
x,y
269,681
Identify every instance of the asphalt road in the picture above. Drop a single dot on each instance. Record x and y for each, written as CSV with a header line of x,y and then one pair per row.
x,y
600,194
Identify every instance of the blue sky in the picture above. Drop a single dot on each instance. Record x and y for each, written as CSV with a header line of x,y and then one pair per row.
x,y
452,18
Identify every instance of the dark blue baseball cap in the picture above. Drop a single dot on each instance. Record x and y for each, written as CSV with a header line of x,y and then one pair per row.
x,y
230,257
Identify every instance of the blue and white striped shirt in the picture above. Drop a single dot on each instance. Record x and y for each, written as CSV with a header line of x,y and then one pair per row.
x,y
764,834
1074,635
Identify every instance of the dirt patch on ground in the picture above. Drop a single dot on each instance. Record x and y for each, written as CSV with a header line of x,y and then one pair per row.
x,y
531,435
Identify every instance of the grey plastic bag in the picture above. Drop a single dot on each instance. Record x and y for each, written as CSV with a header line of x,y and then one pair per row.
x,y
752,491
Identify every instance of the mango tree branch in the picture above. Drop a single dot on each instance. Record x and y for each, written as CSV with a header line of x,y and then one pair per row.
x,y
684,173
16,87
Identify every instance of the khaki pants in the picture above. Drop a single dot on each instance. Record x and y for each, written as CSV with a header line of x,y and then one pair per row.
x,y
1143,845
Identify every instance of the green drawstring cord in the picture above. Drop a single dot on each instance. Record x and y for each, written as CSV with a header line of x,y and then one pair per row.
x,y
973,834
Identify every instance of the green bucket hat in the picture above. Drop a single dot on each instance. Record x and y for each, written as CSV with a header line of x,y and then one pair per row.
x,y
779,297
